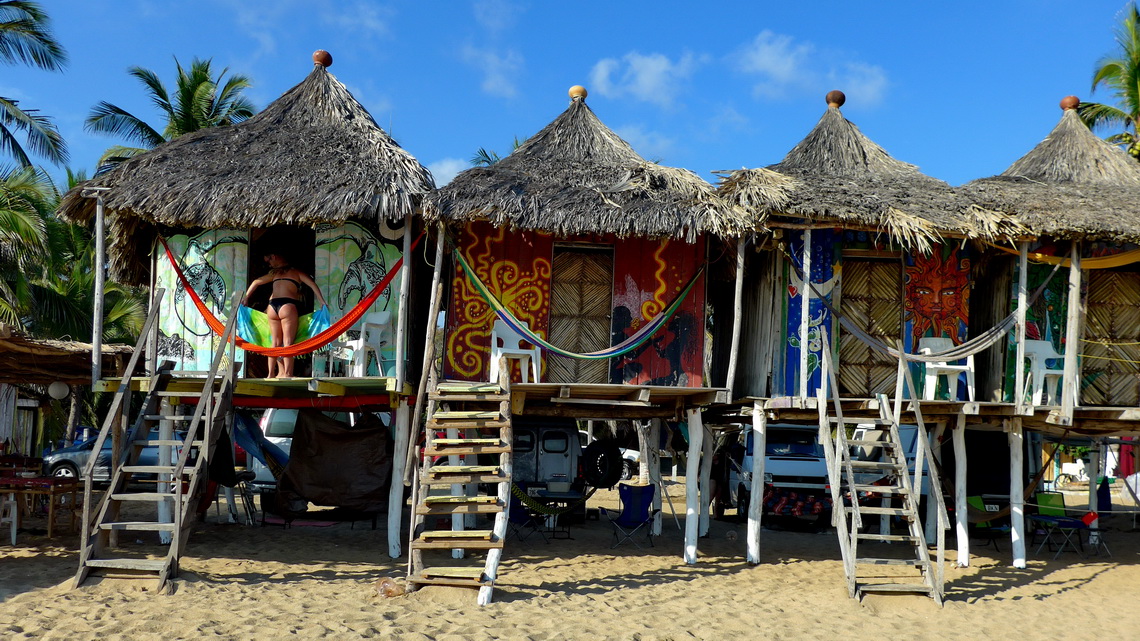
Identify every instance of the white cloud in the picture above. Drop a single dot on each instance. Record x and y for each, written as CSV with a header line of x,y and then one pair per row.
x,y
361,17
495,16
785,67
444,170
650,145
499,70
651,78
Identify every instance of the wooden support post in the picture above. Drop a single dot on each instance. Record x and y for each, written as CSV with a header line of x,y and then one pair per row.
x,y
737,317
1022,307
756,493
706,482
805,315
643,449
692,471
165,457
396,491
411,465
1096,462
402,312
1070,385
931,523
1017,489
961,508
100,285
655,472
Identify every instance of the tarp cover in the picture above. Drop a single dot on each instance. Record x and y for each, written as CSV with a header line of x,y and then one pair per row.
x,y
334,464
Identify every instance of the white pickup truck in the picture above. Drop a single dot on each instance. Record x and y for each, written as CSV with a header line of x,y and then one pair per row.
x,y
795,473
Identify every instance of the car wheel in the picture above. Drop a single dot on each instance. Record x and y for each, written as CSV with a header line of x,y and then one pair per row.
x,y
65,471
627,470
742,498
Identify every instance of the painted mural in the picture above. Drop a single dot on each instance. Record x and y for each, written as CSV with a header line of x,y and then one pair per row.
x,y
516,268
1045,318
349,261
825,270
648,276
215,264
937,291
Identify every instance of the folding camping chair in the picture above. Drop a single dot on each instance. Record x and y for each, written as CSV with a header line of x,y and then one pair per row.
x,y
987,530
524,522
636,513
1060,528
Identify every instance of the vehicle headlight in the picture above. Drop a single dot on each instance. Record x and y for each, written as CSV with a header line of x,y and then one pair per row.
x,y
767,477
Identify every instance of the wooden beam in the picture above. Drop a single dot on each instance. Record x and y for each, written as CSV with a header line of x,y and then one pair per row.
x,y
245,388
599,401
325,387
600,412
641,395
518,401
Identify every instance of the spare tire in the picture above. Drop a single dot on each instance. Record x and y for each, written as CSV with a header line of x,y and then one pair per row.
x,y
602,463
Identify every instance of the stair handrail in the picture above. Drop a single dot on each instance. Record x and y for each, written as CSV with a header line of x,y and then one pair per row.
x,y
208,407
835,452
925,455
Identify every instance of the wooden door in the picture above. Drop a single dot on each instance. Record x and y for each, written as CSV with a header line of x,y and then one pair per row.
x,y
1111,364
581,295
871,296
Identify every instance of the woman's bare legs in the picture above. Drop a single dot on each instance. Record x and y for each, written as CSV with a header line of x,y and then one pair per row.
x,y
289,322
275,332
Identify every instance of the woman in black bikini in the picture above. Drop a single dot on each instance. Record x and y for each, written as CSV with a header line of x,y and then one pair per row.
x,y
282,311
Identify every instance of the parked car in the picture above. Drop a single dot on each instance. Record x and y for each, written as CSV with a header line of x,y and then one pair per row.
x,y
795,473
69,462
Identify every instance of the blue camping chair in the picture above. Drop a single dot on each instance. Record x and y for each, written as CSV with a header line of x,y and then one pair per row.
x,y
523,521
636,513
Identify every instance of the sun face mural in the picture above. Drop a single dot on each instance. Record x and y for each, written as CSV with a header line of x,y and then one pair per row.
x,y
517,273
937,295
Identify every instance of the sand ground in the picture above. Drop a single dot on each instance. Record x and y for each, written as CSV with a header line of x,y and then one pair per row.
x,y
241,582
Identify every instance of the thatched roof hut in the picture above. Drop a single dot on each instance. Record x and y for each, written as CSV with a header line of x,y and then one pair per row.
x,y
25,360
315,155
576,176
1071,185
842,176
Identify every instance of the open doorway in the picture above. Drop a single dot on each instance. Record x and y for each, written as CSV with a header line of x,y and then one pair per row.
x,y
296,245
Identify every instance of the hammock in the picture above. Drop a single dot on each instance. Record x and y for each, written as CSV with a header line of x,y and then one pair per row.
x,y
253,326
303,347
624,347
1096,262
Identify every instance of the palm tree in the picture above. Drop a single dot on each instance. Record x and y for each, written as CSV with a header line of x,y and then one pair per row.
x,y
486,157
1120,73
25,197
199,101
25,38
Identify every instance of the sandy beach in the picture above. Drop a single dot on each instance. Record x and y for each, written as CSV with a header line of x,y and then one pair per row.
x,y
241,582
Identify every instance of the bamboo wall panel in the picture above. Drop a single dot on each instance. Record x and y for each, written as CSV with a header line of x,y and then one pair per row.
x,y
870,298
1111,363
581,290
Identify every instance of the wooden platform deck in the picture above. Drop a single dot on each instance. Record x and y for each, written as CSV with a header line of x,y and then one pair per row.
x,y
315,392
604,401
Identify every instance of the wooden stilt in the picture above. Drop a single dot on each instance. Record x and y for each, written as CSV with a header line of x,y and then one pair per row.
x,y
692,471
756,492
706,482
961,509
1096,462
655,472
805,316
1017,489
396,492
931,523
643,448
402,312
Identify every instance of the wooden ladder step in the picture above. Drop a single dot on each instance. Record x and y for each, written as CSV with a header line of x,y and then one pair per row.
x,y
473,388
471,573
474,396
153,497
153,469
876,465
880,489
482,535
459,508
467,441
462,479
433,424
170,442
919,588
433,500
880,561
463,469
909,538
467,415
172,417
145,565
864,443
881,511
139,526
458,450
853,420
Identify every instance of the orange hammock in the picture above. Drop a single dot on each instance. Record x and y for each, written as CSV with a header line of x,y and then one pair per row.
x,y
304,347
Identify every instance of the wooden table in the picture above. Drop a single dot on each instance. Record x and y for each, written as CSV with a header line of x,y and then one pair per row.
x,y
56,490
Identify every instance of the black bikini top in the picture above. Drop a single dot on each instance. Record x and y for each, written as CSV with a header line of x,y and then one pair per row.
x,y
295,282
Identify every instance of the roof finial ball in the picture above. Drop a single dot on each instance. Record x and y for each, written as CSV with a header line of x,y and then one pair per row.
x,y
1069,102
835,98
578,92
322,58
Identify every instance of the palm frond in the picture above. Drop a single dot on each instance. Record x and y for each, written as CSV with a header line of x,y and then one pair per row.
x,y
41,134
107,118
25,36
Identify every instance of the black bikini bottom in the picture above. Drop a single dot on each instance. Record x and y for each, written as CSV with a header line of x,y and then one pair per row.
x,y
278,303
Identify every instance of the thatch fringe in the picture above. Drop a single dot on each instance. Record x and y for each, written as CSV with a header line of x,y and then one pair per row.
x,y
315,155
576,176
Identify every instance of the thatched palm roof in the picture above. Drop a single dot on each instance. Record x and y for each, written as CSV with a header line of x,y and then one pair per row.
x,y
576,176
314,155
842,176
1071,185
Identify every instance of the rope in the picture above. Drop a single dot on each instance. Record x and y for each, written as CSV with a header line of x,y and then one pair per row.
x,y
543,508
306,346
1097,262
978,344
624,347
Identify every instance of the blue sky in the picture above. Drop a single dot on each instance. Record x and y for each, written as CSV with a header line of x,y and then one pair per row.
x,y
960,89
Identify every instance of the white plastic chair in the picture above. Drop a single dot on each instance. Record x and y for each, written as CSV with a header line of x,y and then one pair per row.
x,y
375,334
949,369
506,342
1038,352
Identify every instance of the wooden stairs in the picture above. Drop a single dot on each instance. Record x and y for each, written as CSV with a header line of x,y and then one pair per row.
x,y
881,562
454,527
185,440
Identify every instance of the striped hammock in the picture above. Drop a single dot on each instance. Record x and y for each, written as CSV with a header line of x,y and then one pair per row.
x,y
624,347
308,345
